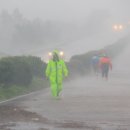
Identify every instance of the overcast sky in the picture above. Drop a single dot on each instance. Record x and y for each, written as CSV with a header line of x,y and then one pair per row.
x,y
71,11
66,10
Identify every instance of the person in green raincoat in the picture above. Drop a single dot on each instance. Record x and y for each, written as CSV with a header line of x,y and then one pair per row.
x,y
56,70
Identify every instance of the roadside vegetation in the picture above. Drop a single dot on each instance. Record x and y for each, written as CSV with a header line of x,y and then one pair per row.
x,y
21,75
25,74
80,65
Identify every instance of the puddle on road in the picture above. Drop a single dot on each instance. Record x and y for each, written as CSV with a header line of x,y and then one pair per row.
x,y
64,126
31,126
15,118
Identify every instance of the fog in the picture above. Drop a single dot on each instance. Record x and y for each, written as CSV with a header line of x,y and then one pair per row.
x,y
122,62
74,26
35,27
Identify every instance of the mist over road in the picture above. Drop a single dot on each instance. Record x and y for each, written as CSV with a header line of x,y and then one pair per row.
x,y
30,27
86,103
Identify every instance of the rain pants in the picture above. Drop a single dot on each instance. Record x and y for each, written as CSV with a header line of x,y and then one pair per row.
x,y
56,71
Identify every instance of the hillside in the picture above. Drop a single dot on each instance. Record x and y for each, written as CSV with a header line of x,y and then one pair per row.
x,y
80,64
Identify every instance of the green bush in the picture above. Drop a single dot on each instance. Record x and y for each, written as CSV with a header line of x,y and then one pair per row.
x,y
14,71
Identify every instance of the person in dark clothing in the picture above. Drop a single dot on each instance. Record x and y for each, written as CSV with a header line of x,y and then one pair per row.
x,y
105,64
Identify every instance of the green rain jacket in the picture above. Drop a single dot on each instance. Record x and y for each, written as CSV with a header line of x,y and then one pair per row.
x,y
56,71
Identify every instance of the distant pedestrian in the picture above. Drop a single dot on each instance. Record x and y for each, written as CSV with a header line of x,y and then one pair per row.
x,y
105,64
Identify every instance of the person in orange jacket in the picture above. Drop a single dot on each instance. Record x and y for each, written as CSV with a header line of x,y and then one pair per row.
x,y
105,64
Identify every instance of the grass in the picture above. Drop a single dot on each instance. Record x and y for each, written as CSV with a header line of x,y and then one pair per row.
x,y
14,90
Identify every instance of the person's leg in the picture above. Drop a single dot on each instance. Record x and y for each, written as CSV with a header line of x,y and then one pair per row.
x,y
97,70
59,87
54,88
103,72
106,73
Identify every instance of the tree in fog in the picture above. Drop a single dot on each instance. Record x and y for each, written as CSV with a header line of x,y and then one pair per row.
x,y
20,35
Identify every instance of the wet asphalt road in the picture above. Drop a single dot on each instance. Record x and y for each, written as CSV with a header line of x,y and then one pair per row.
x,y
88,103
